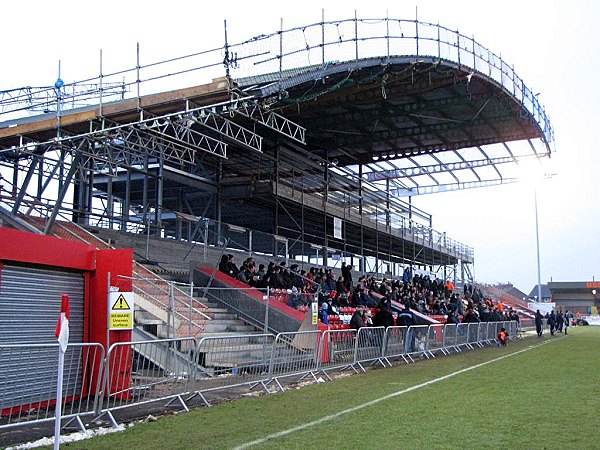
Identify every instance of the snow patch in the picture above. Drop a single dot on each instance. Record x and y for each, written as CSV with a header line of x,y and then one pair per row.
x,y
73,437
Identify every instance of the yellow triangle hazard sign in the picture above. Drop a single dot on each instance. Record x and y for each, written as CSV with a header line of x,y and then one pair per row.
x,y
121,303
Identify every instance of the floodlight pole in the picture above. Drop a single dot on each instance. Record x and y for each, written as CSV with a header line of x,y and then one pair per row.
x,y
537,240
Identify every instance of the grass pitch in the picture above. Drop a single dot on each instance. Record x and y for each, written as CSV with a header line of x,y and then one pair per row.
x,y
536,393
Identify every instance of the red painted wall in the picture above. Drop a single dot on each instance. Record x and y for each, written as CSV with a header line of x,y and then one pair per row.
x,y
119,263
25,247
36,249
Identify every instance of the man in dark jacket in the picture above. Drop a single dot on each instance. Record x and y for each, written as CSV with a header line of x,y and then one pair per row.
x,y
406,318
383,317
356,321
470,316
552,322
539,322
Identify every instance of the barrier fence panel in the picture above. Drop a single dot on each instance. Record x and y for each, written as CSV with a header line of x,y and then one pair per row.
x,y
29,377
395,344
369,345
149,371
417,341
491,333
295,354
513,329
337,350
461,335
178,370
482,333
473,335
230,361
450,338
435,339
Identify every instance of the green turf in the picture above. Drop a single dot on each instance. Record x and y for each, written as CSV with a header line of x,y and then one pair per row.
x,y
546,397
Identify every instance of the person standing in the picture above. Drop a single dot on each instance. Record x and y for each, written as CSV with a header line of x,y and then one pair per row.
x,y
539,322
407,318
552,322
567,321
560,321
383,317
347,276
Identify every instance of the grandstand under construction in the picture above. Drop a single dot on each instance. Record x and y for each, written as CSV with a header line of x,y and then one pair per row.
x,y
308,144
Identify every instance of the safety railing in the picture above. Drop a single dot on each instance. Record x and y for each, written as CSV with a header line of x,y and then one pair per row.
x,y
234,361
369,345
295,354
28,385
395,347
186,372
338,350
148,371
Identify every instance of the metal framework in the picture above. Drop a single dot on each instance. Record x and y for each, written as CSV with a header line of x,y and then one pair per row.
x,y
312,136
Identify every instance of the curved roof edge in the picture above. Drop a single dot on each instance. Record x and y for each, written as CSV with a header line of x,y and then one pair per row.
x,y
269,64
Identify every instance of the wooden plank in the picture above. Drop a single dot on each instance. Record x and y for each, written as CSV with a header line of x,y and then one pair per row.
x,y
47,124
217,91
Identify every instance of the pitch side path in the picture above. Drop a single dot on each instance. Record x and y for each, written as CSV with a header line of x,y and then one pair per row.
x,y
536,393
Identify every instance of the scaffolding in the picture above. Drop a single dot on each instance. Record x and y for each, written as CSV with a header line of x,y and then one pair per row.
x,y
318,135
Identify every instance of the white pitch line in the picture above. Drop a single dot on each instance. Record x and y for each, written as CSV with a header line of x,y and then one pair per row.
x,y
377,400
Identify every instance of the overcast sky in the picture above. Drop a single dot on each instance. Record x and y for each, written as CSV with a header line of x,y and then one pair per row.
x,y
553,46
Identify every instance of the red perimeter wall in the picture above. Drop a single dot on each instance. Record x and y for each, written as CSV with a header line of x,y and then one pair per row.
x,y
36,249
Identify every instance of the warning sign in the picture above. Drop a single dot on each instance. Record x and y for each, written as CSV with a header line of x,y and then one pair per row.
x,y
121,303
120,313
315,312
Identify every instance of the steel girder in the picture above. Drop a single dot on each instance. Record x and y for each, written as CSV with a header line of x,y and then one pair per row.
x,y
270,120
437,188
443,167
418,131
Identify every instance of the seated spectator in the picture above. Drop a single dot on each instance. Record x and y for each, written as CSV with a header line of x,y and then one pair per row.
x,y
383,287
329,283
227,266
356,321
470,316
223,267
294,299
452,317
323,315
233,269
261,272
275,280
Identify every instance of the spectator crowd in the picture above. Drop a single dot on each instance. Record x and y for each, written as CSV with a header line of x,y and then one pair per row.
x,y
417,293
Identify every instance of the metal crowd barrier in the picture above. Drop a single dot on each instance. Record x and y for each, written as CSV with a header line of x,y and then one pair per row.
x,y
175,371
295,354
233,361
337,350
148,371
395,345
29,382
435,339
368,346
